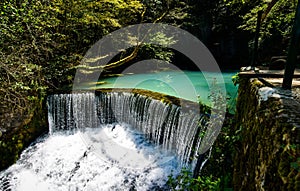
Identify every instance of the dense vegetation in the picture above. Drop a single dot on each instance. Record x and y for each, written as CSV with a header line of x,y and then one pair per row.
x,y
42,42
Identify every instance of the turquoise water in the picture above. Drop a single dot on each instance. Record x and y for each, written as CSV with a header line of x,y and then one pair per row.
x,y
188,85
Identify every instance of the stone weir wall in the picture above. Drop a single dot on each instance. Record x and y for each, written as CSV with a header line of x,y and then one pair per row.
x,y
17,134
268,121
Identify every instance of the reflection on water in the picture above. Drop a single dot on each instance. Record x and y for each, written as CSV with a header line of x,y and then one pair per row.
x,y
188,85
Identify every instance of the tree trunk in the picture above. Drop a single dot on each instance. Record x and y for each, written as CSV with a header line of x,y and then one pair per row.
x,y
292,54
255,48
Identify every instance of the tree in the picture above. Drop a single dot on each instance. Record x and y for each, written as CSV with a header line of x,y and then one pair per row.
x,y
276,26
41,42
292,54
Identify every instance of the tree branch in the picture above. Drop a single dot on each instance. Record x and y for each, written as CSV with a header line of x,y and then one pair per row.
x,y
125,59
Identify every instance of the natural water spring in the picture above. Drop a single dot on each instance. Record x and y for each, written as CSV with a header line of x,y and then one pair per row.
x,y
113,141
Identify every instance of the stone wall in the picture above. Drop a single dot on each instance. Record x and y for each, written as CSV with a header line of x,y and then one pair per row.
x,y
268,122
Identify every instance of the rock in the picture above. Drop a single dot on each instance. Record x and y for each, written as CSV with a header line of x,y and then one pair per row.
x,y
274,58
278,64
249,68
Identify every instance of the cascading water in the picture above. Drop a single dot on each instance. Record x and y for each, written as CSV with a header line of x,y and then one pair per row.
x,y
108,141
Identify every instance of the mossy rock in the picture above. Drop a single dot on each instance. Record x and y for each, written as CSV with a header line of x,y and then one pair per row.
x,y
13,142
262,158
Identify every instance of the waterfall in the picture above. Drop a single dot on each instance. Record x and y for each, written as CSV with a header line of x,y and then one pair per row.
x,y
71,111
109,141
163,124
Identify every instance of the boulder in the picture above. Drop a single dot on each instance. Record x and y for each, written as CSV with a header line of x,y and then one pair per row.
x,y
277,64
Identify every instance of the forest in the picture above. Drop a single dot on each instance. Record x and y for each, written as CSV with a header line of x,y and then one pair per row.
x,y
42,42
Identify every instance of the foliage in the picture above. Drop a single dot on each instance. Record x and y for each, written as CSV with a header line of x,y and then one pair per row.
x,y
239,17
159,52
235,79
12,142
41,42
185,181
220,164
217,173
291,151
276,25
279,19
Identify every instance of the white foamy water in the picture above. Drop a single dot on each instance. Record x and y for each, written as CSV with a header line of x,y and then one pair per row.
x,y
63,161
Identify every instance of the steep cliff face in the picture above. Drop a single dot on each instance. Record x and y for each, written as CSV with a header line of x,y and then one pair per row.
x,y
267,157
